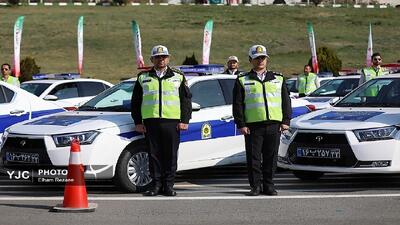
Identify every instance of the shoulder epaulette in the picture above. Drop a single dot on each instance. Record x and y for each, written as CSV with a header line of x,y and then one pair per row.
x,y
142,72
242,74
277,73
175,70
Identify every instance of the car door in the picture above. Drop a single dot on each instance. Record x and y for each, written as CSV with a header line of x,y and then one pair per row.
x,y
14,107
211,135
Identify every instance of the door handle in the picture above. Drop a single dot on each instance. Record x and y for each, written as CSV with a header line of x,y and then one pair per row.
x,y
227,118
16,111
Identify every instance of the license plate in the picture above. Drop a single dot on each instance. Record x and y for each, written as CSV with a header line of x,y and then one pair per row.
x,y
22,157
318,153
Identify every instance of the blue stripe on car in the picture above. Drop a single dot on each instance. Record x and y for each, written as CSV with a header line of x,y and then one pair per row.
x,y
8,120
46,112
298,111
219,129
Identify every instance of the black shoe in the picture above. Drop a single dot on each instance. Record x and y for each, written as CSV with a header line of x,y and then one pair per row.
x,y
152,192
254,191
169,191
270,191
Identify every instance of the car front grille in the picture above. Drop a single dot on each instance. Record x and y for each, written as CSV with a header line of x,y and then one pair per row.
x,y
322,141
25,145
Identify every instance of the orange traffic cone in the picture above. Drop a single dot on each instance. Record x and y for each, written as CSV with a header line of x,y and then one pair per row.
x,y
75,195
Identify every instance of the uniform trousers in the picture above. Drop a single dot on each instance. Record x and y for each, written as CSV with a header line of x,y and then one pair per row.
x,y
261,153
163,140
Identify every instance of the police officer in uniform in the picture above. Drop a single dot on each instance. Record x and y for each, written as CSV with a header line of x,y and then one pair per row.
x,y
307,82
161,108
6,75
262,110
374,70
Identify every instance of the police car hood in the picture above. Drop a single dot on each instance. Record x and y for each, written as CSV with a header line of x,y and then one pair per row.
x,y
70,122
336,118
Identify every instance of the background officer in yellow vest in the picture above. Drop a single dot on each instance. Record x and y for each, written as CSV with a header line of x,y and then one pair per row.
x,y
262,109
161,108
6,75
374,70
307,83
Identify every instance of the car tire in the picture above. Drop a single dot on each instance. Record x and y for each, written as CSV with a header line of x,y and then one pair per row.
x,y
132,170
307,175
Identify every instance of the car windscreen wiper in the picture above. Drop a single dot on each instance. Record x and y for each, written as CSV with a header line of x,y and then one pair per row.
x,y
117,108
87,108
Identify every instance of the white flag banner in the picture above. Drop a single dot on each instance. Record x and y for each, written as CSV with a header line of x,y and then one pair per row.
x,y
369,48
17,44
80,45
207,42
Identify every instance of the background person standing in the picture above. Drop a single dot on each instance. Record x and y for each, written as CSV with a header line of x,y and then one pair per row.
x,y
262,109
232,66
308,82
374,70
161,108
6,75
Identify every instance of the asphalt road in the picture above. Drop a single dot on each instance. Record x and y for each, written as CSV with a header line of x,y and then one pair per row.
x,y
216,196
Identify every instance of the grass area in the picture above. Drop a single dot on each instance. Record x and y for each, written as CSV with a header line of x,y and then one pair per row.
x,y
50,35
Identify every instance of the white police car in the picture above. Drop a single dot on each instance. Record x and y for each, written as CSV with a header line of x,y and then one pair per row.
x,y
291,84
17,105
111,149
66,90
332,90
359,134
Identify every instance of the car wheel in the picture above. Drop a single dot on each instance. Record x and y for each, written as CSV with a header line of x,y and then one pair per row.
x,y
132,172
308,175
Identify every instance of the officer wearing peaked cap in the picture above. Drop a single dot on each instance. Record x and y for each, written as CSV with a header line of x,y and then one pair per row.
x,y
161,108
262,110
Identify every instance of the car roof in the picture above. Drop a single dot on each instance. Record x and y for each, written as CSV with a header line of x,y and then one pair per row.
x,y
394,75
195,78
347,77
54,81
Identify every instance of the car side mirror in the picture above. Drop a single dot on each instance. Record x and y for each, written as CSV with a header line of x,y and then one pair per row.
x,y
195,106
333,100
50,98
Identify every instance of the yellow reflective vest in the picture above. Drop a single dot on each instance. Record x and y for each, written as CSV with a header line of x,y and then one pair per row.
x,y
307,83
262,100
160,96
11,80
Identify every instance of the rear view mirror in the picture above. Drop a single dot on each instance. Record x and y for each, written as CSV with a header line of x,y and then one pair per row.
x,y
50,98
333,100
195,106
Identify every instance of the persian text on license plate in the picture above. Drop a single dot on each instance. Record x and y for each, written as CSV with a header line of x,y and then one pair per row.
x,y
318,153
22,157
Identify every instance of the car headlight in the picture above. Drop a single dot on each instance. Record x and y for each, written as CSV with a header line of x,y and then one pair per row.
x,y
376,134
85,138
288,134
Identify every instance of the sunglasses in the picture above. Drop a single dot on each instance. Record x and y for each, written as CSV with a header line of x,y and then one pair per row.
x,y
5,69
377,59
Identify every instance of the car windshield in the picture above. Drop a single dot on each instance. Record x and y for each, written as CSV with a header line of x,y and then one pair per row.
x,y
374,93
336,88
35,88
115,99
322,82
291,85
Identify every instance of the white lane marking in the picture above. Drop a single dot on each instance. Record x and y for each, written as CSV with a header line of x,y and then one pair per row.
x,y
125,198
